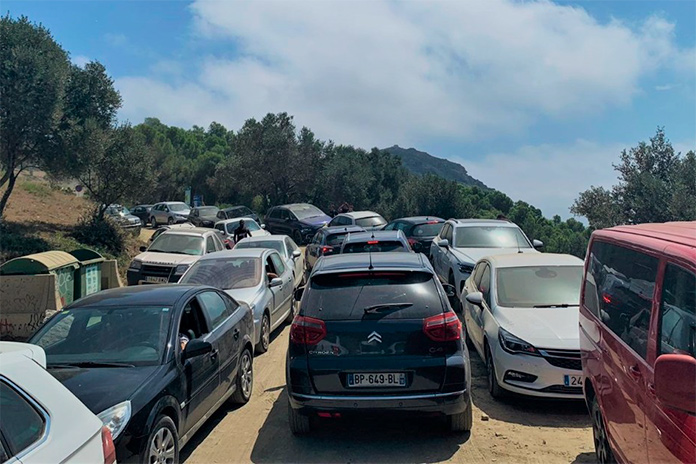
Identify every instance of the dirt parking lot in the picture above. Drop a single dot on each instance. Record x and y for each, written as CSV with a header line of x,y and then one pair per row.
x,y
518,430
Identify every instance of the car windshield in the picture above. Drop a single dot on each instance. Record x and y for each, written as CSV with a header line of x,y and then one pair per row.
x,y
427,230
249,223
490,237
178,206
118,210
372,221
208,210
180,244
135,335
225,273
276,245
305,212
374,246
545,286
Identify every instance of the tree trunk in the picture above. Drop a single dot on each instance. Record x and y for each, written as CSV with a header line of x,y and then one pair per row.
x,y
6,196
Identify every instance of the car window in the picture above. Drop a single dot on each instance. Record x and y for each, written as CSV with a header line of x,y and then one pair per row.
x,y
484,285
226,273
536,286
278,263
180,244
218,243
22,424
214,307
624,281
288,247
220,215
678,312
192,322
478,273
447,233
284,214
334,222
209,244
336,239
220,227
374,246
4,453
373,221
490,237
274,213
430,229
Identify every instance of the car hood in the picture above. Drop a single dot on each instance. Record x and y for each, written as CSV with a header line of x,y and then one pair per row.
x,y
472,255
152,257
103,387
211,217
318,221
246,295
542,327
184,212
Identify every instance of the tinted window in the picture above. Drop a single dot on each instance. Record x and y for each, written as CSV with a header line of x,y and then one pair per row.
x,y
284,214
272,244
527,287
345,296
278,264
210,244
427,230
225,273
490,237
22,425
380,246
374,221
624,281
678,312
214,307
336,239
447,233
274,213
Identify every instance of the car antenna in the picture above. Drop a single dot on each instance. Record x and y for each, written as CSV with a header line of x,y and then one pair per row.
x,y
370,267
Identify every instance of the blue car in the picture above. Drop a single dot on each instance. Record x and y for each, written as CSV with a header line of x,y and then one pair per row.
x,y
298,220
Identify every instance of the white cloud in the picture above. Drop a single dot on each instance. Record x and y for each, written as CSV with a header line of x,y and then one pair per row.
x,y
375,73
80,60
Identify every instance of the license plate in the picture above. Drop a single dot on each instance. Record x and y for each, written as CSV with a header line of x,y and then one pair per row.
x,y
572,380
156,280
377,379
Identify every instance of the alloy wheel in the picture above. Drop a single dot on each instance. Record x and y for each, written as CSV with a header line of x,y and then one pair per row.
x,y
599,433
162,447
266,332
247,375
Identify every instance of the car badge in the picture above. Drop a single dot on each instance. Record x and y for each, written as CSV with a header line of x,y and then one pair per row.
x,y
374,337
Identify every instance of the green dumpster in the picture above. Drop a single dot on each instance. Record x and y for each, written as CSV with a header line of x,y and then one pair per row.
x,y
59,263
88,276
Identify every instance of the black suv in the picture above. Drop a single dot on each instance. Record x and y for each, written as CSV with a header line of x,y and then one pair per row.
x,y
419,230
375,334
327,242
298,220
238,211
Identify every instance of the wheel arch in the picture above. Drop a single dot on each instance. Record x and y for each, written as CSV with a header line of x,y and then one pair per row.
x,y
168,406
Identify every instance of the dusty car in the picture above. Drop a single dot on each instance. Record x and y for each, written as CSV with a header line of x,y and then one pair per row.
x,y
169,212
123,217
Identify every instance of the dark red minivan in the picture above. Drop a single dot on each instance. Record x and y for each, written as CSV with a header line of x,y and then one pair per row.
x,y
638,342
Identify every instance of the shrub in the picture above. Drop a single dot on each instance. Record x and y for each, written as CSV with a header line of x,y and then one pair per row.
x,y
104,234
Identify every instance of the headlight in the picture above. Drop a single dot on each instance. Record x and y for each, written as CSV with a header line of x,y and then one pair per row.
x,y
116,418
181,268
465,268
135,265
515,345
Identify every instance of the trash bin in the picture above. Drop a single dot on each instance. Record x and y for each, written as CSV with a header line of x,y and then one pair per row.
x,y
58,263
88,275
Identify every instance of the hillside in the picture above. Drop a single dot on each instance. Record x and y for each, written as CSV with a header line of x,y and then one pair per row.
x,y
420,162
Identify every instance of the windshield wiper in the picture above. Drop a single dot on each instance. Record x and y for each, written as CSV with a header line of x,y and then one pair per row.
x,y
379,307
562,305
91,364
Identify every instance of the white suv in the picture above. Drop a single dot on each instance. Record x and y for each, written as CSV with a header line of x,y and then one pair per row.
x,y
462,242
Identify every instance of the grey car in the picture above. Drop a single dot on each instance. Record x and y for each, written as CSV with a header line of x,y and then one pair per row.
x,y
123,217
378,241
169,212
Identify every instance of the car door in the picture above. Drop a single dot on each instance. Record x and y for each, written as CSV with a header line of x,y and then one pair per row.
x,y
477,314
439,253
313,248
297,263
286,289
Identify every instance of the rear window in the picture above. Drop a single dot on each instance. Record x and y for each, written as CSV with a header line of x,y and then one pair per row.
x,y
427,230
345,296
372,221
374,246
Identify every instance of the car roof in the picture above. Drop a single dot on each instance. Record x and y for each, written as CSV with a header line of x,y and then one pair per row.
x,y
237,219
296,205
683,233
193,231
138,295
236,253
482,222
265,238
340,229
419,219
360,214
378,261
533,259
375,235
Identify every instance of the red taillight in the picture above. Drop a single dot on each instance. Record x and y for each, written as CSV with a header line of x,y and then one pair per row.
x,y
326,249
432,222
373,242
444,327
606,298
108,446
307,330
412,241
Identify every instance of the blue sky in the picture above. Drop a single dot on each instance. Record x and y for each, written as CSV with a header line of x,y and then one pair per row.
x,y
534,98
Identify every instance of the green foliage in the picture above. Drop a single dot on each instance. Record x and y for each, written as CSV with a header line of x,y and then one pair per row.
x,y
15,241
36,189
102,234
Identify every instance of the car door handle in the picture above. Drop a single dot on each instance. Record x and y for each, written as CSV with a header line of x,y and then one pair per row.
x,y
236,334
651,390
635,373
213,354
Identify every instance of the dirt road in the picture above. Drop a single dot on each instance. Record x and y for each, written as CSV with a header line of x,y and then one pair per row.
x,y
517,430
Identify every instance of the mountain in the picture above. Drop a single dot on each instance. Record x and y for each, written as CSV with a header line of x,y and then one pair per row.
x,y
420,162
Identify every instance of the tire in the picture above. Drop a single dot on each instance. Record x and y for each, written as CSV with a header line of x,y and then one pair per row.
x,y
462,422
293,311
299,423
245,378
153,222
494,387
265,336
162,443
297,237
170,220
603,451
457,304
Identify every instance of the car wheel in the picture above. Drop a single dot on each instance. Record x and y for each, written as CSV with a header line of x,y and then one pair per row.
x,y
245,378
599,432
297,237
493,386
153,222
170,220
467,338
454,301
162,445
299,423
462,422
293,311
265,338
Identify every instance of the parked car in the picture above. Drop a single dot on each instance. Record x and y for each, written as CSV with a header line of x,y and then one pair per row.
x,y
327,241
287,248
237,212
121,352
388,342
375,242
520,314
638,342
142,212
169,212
462,242
258,277
42,421
171,254
123,217
204,216
419,231
228,226
160,230
368,220
299,221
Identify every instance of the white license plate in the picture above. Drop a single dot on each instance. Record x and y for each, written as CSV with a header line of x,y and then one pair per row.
x,y
377,379
156,280
572,380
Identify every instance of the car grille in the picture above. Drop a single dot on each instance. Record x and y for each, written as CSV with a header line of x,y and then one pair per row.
x,y
562,389
566,359
156,271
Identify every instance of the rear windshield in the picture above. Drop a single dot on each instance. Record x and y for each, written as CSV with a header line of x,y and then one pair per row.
x,y
225,273
248,223
178,206
372,221
345,296
526,287
369,247
336,239
208,210
272,244
427,230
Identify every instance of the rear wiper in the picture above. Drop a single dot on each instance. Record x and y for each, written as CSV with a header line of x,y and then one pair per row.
x,y
562,305
91,364
379,307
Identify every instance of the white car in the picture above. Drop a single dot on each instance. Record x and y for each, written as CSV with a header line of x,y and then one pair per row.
x,y
368,220
288,249
42,421
228,226
462,242
521,315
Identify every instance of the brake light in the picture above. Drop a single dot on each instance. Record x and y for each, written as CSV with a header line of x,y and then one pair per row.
x,y
372,242
606,298
412,241
432,222
108,446
326,249
443,327
307,330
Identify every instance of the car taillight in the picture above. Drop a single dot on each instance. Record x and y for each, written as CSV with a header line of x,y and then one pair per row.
x,y
372,242
108,446
307,330
326,249
443,327
412,241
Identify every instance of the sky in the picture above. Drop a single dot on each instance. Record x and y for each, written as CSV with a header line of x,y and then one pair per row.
x,y
534,98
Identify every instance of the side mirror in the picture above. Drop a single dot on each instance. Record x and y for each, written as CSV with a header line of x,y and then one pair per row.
x,y
443,243
450,291
277,282
263,226
538,244
143,248
298,293
674,385
296,254
475,298
195,348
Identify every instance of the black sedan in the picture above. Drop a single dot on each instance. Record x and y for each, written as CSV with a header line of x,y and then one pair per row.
x,y
142,212
152,362
419,230
204,216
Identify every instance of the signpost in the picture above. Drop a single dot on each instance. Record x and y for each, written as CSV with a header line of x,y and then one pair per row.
x,y
188,196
